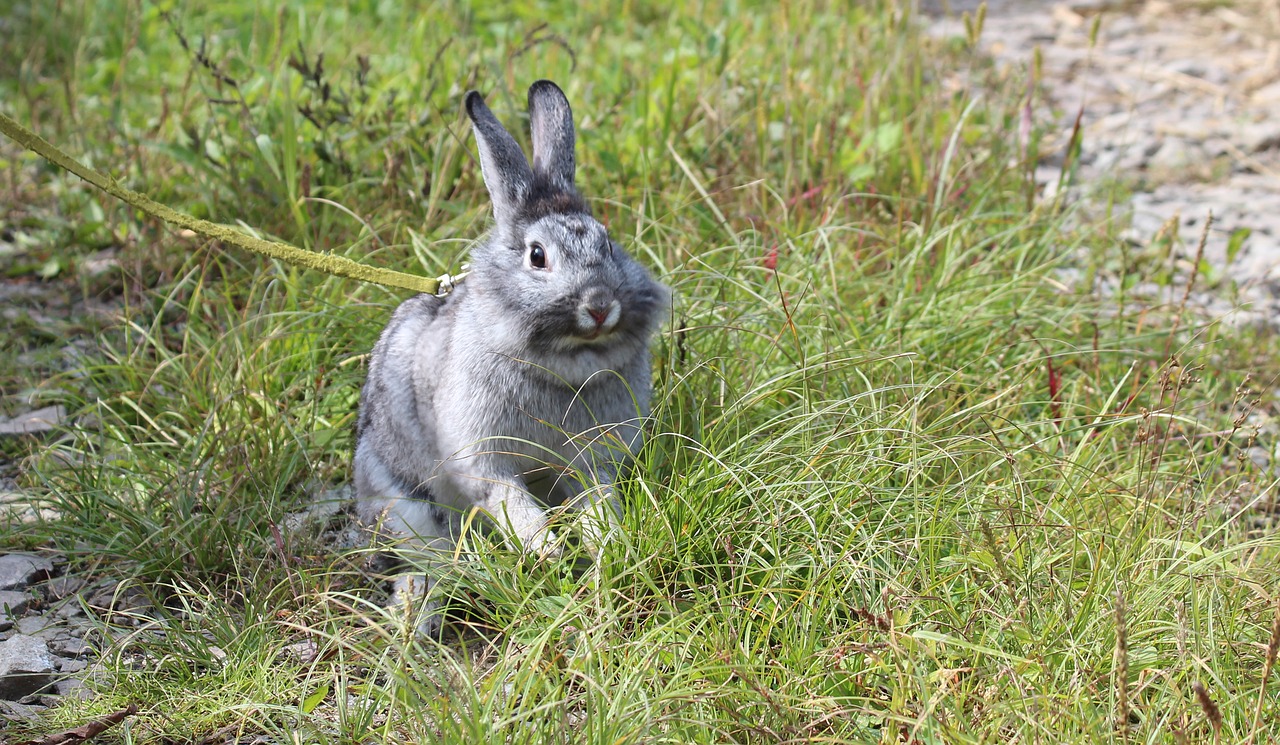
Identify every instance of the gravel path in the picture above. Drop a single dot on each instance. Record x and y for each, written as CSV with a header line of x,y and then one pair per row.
x,y
1179,104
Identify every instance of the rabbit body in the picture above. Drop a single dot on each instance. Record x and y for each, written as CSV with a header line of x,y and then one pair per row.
x,y
524,388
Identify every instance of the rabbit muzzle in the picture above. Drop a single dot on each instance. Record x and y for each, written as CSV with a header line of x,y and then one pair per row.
x,y
598,314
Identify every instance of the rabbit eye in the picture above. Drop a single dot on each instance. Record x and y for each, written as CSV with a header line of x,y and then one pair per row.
x,y
538,256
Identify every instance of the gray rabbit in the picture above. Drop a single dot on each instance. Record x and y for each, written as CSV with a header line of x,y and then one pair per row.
x,y
524,388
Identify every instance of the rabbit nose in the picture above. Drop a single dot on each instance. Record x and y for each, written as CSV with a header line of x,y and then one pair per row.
x,y
604,314
600,307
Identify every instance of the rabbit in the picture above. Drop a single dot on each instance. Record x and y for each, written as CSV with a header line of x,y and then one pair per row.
x,y
525,387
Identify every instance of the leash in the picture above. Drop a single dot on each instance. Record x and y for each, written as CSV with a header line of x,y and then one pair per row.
x,y
328,263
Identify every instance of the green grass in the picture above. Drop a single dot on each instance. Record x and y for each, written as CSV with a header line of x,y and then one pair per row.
x,y
910,487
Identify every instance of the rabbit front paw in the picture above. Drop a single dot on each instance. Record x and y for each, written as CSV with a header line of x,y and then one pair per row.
x,y
541,542
410,599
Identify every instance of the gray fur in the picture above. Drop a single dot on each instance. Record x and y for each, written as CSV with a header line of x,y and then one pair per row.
x,y
551,129
526,387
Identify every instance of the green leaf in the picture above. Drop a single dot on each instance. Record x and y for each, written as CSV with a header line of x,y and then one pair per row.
x,y
50,269
551,606
888,136
213,151
529,632
268,150
861,172
1236,242
312,701
952,641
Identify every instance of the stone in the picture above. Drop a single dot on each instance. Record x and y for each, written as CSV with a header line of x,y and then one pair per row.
x,y
67,666
1261,136
1267,96
21,508
43,700
33,422
26,667
61,587
18,571
32,625
1175,154
1177,108
73,688
79,627
13,603
99,263
323,508
1216,146
69,609
70,647
16,712
1192,67
303,652
53,635
113,597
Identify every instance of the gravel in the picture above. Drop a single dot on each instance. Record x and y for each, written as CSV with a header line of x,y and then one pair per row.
x,y
26,667
49,647
18,571
43,653
33,422
1177,102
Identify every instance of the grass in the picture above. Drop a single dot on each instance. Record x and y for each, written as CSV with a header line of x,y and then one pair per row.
x,y
904,484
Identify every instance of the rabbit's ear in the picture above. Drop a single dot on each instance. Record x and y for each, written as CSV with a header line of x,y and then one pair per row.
x,y
502,162
551,123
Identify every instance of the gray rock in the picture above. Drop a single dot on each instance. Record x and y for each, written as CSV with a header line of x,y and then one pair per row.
x,y
32,625
53,635
1175,107
122,599
33,422
1261,136
1216,146
1194,68
1267,96
97,264
18,571
1175,154
43,700
78,627
69,609
73,688
21,507
13,603
323,508
16,712
26,667
72,666
57,589
303,652
70,647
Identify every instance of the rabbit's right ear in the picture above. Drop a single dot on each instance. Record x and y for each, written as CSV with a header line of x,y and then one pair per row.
x,y
551,124
506,171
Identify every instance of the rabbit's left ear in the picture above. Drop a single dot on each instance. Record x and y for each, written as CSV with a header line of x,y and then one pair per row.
x,y
502,163
551,124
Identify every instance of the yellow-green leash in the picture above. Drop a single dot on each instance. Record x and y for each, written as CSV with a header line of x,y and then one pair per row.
x,y
336,265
